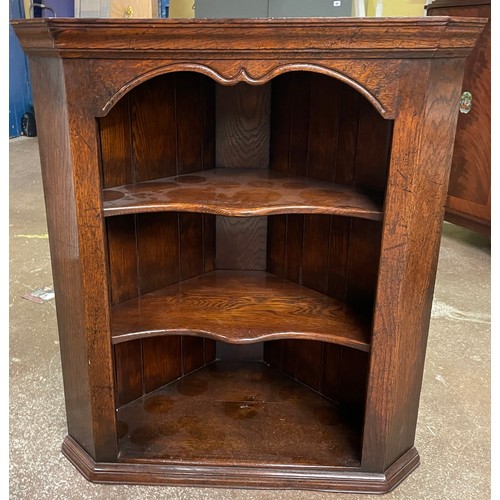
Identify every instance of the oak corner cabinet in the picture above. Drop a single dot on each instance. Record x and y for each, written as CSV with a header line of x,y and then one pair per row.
x,y
244,220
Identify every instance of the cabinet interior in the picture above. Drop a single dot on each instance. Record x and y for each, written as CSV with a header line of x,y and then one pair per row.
x,y
299,125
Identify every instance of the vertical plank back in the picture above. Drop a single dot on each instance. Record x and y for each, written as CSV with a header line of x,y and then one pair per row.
x,y
242,141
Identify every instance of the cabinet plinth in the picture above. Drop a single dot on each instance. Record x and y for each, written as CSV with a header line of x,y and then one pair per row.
x,y
244,220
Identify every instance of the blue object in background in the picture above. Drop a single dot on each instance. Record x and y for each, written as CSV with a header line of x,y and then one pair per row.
x,y
61,8
163,6
20,100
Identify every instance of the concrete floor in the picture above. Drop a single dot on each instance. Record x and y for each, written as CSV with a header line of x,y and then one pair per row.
x,y
453,434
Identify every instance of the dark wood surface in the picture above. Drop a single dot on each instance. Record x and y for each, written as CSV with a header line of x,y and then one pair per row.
x,y
222,413
239,307
240,192
367,104
469,192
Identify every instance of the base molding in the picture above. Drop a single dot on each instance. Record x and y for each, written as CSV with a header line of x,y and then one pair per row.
x,y
351,480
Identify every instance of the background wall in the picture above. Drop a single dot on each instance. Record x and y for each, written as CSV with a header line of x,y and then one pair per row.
x,y
395,8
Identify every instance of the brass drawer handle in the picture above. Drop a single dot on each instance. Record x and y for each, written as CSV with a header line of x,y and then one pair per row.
x,y
465,102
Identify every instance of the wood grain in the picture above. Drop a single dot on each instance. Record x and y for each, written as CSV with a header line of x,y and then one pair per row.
x,y
365,103
116,145
128,362
242,126
241,243
233,192
469,192
238,307
180,421
162,361
153,123
408,262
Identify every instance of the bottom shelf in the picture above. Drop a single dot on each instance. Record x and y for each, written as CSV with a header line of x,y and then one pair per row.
x,y
238,413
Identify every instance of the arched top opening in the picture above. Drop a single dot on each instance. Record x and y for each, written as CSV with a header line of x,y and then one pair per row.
x,y
243,75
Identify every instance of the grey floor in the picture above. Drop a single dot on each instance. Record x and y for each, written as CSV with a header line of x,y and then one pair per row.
x,y
453,434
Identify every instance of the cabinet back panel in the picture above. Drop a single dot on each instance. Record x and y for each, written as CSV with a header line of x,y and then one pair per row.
x,y
300,248
242,141
322,128
146,252
116,145
142,366
164,127
337,372
162,361
241,243
158,250
242,126
153,124
300,124
150,251
122,258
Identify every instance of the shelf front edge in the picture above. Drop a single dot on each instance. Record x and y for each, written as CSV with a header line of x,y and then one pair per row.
x,y
240,307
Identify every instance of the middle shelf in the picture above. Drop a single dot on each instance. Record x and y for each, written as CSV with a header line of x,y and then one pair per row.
x,y
240,307
241,192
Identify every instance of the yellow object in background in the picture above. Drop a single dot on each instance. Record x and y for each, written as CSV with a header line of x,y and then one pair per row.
x,y
395,8
181,9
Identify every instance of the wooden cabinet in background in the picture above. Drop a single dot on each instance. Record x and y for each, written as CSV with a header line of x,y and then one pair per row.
x,y
244,221
469,193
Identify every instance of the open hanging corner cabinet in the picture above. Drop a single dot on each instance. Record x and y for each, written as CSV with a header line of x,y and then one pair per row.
x,y
244,221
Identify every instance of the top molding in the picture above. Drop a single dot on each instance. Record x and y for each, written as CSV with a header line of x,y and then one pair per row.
x,y
314,38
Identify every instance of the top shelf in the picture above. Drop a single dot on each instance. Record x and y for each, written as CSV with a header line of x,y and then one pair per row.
x,y
241,192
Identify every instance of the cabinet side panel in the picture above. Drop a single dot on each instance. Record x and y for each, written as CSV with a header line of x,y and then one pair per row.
x,y
153,122
81,157
418,180
55,156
